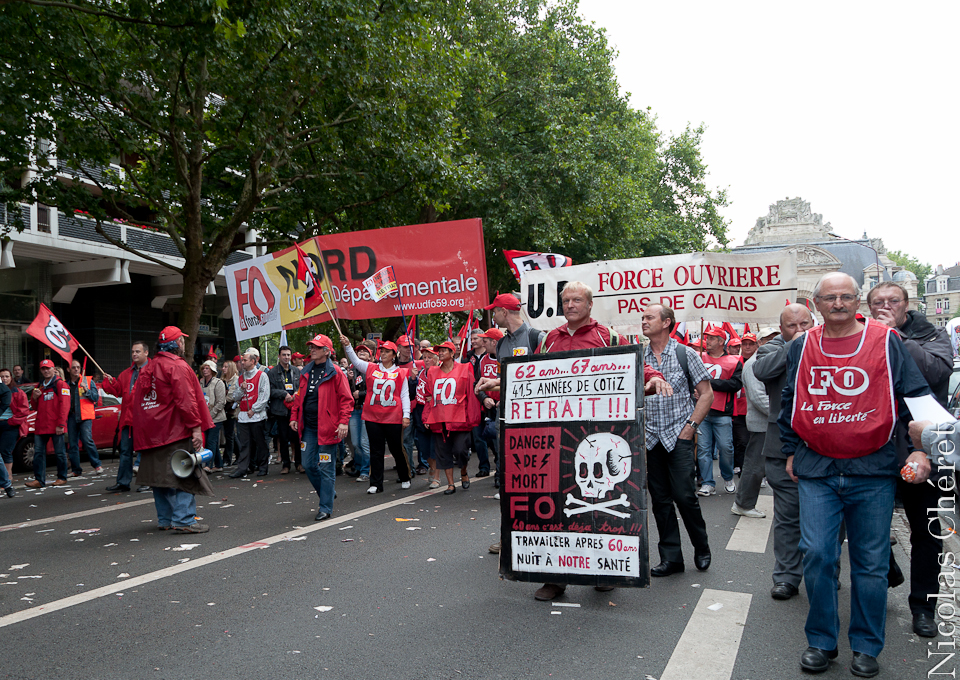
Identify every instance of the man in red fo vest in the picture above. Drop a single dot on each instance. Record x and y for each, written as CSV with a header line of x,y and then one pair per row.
x,y
717,428
845,382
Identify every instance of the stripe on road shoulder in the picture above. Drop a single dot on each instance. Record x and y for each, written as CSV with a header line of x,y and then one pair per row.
x,y
750,534
708,648
129,583
74,515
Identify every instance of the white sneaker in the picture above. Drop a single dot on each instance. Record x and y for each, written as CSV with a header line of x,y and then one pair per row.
x,y
372,489
706,490
497,495
98,470
363,478
756,514
404,485
763,483
136,469
730,487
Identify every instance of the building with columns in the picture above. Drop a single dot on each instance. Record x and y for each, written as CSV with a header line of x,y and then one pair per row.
x,y
791,225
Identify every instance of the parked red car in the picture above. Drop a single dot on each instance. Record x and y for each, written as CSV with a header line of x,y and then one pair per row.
x,y
105,432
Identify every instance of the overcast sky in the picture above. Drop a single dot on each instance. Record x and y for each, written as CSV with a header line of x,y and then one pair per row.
x,y
851,106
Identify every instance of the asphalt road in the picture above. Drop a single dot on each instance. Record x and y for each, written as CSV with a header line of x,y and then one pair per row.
x,y
405,586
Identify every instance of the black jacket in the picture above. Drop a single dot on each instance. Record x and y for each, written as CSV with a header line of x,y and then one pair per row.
x,y
278,391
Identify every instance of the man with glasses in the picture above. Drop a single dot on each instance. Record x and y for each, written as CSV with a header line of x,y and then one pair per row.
x,y
841,402
930,348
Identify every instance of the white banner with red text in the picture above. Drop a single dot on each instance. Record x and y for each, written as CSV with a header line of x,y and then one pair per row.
x,y
710,286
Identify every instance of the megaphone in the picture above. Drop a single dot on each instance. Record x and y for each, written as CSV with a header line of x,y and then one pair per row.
x,y
183,462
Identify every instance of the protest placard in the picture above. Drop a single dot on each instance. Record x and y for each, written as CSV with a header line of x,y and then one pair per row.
x,y
572,500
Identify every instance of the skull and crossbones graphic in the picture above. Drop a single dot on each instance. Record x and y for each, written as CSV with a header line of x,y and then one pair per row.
x,y
602,461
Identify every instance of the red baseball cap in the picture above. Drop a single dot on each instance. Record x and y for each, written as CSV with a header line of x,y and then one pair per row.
x,y
388,345
494,333
716,332
749,336
296,355
237,359
446,345
735,342
171,333
46,363
321,340
432,350
403,341
505,300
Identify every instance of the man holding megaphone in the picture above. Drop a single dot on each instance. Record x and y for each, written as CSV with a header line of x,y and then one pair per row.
x,y
170,415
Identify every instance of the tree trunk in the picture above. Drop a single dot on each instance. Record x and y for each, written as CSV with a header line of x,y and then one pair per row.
x,y
191,306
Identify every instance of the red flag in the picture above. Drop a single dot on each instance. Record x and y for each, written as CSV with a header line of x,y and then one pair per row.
x,y
450,332
730,331
524,261
313,297
746,328
47,329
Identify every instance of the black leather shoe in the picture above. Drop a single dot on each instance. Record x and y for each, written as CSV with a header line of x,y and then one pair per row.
x,y
10,492
783,591
237,475
496,483
667,568
321,516
449,490
483,473
143,488
864,665
924,625
702,560
815,660
118,487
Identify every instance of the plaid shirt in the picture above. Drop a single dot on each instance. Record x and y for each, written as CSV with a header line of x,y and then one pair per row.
x,y
666,416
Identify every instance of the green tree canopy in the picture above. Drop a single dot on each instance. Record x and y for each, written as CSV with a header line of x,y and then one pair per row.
x,y
320,116
920,269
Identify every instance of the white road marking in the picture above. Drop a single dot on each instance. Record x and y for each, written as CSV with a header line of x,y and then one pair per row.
x,y
130,583
750,535
74,515
708,648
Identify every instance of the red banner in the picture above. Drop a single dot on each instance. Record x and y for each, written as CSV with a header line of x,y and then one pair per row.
x,y
47,329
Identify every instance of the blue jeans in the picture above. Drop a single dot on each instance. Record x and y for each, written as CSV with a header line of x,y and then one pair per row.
x,y
40,456
865,504
125,467
211,440
715,430
361,445
9,435
174,507
323,475
78,433
408,439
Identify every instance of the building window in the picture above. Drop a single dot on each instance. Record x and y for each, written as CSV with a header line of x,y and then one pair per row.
x,y
946,305
941,285
43,218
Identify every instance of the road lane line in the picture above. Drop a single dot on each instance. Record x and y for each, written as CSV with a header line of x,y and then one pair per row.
x,y
129,583
73,515
708,648
750,535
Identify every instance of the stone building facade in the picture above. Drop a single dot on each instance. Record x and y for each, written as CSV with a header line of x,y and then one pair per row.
x,y
791,225
942,290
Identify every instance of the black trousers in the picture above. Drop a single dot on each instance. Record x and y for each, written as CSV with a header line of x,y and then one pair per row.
x,y
253,446
671,480
288,440
920,502
741,437
380,436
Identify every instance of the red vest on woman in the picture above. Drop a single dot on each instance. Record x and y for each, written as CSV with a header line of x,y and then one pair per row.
x,y
720,368
449,399
383,403
844,405
251,388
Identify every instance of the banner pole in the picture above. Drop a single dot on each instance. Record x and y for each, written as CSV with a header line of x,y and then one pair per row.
x,y
326,277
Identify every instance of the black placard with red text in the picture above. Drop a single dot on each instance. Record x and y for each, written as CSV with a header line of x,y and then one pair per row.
x,y
573,504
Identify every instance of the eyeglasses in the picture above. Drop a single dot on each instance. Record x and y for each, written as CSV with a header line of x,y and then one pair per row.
x,y
830,299
877,304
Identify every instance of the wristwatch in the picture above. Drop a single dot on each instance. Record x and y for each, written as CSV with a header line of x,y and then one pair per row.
x,y
693,425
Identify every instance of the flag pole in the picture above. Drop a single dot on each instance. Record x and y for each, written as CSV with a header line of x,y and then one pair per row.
x,y
403,317
326,277
91,357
